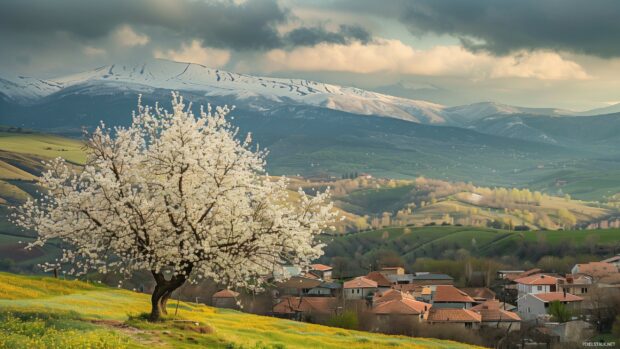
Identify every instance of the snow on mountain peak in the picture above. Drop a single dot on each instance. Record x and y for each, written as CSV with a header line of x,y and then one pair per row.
x,y
164,74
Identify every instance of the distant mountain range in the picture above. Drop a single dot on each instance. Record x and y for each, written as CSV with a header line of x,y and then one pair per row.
x,y
316,128
169,75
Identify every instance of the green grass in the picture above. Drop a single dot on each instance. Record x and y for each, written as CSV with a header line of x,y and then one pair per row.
x,y
104,317
43,145
379,200
61,331
412,242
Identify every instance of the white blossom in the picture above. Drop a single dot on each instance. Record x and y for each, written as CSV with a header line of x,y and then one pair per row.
x,y
179,193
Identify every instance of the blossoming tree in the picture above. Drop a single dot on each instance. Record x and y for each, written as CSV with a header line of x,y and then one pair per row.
x,y
178,195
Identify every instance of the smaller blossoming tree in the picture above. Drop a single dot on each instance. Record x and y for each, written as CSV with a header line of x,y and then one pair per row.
x,y
178,195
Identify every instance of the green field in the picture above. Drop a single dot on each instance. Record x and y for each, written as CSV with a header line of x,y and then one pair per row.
x,y
43,145
412,242
49,313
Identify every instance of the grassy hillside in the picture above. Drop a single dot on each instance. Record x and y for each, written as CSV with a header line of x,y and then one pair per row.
x,y
411,243
422,201
42,145
48,313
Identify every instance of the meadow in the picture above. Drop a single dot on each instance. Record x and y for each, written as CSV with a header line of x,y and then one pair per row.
x,y
39,312
410,243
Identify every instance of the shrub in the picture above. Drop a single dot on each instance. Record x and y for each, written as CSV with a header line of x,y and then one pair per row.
x,y
347,319
559,311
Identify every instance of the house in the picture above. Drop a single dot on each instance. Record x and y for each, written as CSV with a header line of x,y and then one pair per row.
x,y
529,272
427,279
322,271
448,296
383,283
499,318
395,303
325,289
494,304
506,274
493,314
392,271
297,286
301,308
537,283
579,284
595,269
408,288
400,279
360,288
532,306
609,281
479,294
615,260
225,299
461,317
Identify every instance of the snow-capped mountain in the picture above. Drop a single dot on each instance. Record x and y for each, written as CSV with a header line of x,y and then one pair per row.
x,y
316,128
108,93
478,111
163,74
25,89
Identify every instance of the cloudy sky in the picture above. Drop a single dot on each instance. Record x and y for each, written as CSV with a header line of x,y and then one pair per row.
x,y
559,53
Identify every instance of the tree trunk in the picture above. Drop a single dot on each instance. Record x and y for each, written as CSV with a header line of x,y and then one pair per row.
x,y
163,291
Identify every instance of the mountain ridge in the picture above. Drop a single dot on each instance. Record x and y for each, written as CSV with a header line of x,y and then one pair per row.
x,y
181,76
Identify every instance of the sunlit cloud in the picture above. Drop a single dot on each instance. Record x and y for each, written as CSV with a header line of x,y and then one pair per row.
x,y
195,53
125,36
396,57
93,51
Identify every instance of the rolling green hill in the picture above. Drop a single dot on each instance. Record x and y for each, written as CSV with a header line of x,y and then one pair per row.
x,y
49,313
410,243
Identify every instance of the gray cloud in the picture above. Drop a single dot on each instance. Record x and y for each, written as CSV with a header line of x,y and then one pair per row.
x,y
310,36
590,27
251,25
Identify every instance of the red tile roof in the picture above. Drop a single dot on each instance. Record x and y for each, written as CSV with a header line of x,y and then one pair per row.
x,y
360,282
597,269
225,294
611,259
320,267
524,274
498,315
493,304
453,315
388,295
403,306
310,275
408,287
299,282
479,292
320,305
557,296
538,279
450,294
379,278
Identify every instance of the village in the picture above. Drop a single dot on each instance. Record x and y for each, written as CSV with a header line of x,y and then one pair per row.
x,y
530,307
